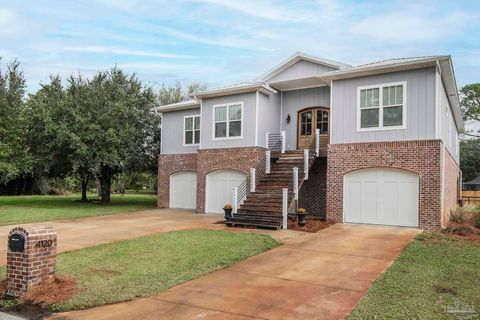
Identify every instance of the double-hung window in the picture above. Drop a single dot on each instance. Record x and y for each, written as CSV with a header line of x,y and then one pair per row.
x,y
382,107
227,121
191,129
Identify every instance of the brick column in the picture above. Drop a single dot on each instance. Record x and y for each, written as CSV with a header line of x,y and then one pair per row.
x,y
32,260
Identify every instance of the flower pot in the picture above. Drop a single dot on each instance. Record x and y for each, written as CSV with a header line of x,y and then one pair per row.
x,y
228,213
301,219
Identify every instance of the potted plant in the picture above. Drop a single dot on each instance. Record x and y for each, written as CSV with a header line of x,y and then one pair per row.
x,y
228,211
301,213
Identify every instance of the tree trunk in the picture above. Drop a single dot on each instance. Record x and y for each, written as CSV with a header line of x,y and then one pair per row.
x,y
84,189
105,184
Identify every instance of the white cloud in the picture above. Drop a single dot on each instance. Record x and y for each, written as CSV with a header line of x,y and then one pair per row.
x,y
412,24
126,52
11,24
121,4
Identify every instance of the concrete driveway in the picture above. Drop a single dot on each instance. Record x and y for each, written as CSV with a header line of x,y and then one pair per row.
x,y
312,276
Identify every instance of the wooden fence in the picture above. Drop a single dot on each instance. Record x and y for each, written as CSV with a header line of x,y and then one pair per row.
x,y
470,197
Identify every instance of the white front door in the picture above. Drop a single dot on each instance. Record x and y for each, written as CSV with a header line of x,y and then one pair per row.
x,y
219,189
381,196
183,190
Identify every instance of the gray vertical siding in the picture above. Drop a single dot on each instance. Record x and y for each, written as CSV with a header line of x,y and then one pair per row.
x,y
301,69
248,140
295,100
420,107
446,119
268,116
172,132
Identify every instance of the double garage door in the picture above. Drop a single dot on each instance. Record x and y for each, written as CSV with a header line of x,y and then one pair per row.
x,y
381,196
219,186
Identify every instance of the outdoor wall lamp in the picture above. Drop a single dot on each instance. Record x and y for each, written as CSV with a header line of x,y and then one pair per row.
x,y
288,118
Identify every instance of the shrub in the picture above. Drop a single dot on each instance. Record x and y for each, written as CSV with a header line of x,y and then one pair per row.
x,y
464,214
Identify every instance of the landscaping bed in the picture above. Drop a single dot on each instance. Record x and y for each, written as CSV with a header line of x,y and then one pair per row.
x,y
435,277
28,209
312,225
142,267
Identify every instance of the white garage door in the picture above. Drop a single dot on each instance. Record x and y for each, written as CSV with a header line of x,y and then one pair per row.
x,y
183,190
381,196
219,188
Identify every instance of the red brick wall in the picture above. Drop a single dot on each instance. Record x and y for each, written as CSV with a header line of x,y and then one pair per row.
x,y
451,178
35,264
241,159
167,165
313,193
204,162
421,157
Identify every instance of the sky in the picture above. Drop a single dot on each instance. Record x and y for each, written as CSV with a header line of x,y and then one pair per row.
x,y
221,42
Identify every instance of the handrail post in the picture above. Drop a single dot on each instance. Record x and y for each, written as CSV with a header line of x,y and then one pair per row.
x,y
305,163
266,141
235,199
252,179
284,208
317,142
295,182
283,136
268,155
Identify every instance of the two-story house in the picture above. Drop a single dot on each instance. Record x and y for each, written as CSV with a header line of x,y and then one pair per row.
x,y
376,143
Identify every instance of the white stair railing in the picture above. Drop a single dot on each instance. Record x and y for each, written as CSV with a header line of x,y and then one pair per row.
x,y
305,163
284,208
295,182
317,142
268,155
235,200
253,180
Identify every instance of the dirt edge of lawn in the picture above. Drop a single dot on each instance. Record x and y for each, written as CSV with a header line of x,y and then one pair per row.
x,y
111,273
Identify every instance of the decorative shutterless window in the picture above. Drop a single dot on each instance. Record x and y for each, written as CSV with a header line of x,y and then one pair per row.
x,y
382,107
191,128
228,121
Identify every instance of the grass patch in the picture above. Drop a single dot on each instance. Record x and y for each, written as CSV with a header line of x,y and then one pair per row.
x,y
145,266
27,209
433,276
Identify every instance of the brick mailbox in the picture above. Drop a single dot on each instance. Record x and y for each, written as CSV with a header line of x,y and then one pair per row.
x,y
31,258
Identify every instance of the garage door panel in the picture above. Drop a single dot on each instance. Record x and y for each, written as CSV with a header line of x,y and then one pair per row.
x,y
381,196
219,186
183,190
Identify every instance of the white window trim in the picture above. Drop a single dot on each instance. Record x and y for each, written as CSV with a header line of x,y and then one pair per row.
x,y
193,124
228,121
380,106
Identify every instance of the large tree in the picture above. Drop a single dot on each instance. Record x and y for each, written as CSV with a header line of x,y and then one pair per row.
x,y
176,93
14,153
470,158
123,125
470,104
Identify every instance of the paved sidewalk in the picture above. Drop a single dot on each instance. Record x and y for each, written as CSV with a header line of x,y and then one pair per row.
x,y
312,276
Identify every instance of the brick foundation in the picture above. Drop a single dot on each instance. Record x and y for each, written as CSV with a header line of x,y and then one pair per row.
x,y
313,193
241,159
204,162
169,164
451,186
35,264
421,157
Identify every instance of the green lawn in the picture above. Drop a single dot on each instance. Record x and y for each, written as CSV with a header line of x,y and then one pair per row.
x,y
434,278
145,266
26,209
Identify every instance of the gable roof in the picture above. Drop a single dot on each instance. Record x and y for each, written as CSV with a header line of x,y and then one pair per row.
x,y
182,105
236,89
301,56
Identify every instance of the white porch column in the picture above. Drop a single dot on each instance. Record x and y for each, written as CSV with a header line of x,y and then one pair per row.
x,y
266,140
305,163
268,155
253,179
295,182
235,200
283,136
317,142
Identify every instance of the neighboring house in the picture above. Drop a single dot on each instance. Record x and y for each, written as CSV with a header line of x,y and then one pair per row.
x,y
472,185
382,141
